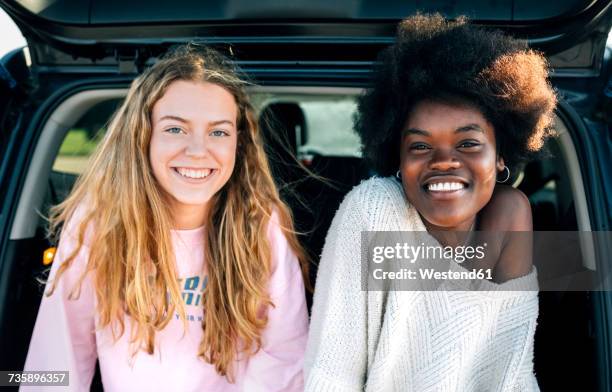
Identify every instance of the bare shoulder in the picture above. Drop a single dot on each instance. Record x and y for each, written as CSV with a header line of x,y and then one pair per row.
x,y
508,210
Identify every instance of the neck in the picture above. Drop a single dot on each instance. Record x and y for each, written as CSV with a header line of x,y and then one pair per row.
x,y
451,236
187,217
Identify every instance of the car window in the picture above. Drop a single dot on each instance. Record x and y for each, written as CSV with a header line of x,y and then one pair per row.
x,y
330,126
83,137
75,151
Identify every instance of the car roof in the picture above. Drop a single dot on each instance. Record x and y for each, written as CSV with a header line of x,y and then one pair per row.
x,y
113,12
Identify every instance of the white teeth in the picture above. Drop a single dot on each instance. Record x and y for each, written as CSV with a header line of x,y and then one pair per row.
x,y
194,173
445,186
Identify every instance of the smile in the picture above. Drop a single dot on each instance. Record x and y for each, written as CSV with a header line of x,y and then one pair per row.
x,y
445,186
195,174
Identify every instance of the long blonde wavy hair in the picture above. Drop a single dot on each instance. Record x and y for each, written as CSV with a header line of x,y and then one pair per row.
x,y
132,262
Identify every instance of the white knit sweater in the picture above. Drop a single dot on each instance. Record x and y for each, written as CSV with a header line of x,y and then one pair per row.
x,y
411,340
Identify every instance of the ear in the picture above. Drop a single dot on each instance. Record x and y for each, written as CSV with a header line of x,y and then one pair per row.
x,y
500,163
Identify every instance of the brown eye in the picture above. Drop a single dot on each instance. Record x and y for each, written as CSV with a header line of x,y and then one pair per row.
x,y
469,144
419,147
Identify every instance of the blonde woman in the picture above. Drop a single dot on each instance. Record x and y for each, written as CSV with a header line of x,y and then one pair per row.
x,y
177,266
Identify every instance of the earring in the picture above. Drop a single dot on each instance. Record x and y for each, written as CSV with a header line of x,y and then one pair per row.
x,y
507,176
398,175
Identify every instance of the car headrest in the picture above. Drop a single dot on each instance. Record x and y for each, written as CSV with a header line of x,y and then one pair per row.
x,y
283,122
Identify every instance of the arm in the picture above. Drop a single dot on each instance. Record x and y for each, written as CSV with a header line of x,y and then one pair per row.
x,y
336,356
509,212
278,365
63,336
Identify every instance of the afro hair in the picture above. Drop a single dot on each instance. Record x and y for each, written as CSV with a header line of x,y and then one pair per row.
x,y
453,61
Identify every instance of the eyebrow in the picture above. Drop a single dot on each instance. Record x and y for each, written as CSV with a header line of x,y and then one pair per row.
x,y
416,131
219,122
170,117
213,123
465,128
470,127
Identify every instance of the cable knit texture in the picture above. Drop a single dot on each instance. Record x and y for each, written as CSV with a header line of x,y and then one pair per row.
x,y
412,340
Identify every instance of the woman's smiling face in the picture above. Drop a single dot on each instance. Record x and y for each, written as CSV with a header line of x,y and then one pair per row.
x,y
448,163
193,146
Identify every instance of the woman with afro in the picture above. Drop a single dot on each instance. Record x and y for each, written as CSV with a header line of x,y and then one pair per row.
x,y
453,113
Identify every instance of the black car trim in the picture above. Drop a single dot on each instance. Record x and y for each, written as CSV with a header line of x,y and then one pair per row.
x,y
22,155
589,168
98,41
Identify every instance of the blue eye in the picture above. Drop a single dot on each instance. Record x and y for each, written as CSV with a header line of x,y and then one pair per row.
x,y
219,132
174,130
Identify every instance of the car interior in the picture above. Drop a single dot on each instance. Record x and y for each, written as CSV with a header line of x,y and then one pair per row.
x,y
315,158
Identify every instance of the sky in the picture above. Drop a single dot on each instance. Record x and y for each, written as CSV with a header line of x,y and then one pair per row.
x,y
11,38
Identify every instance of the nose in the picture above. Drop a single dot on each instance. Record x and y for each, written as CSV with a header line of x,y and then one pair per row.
x,y
197,146
444,160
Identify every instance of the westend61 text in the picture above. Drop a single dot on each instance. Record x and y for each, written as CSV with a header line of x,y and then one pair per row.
x,y
432,274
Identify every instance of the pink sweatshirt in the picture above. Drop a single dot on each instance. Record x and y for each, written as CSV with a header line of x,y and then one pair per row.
x,y
65,335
